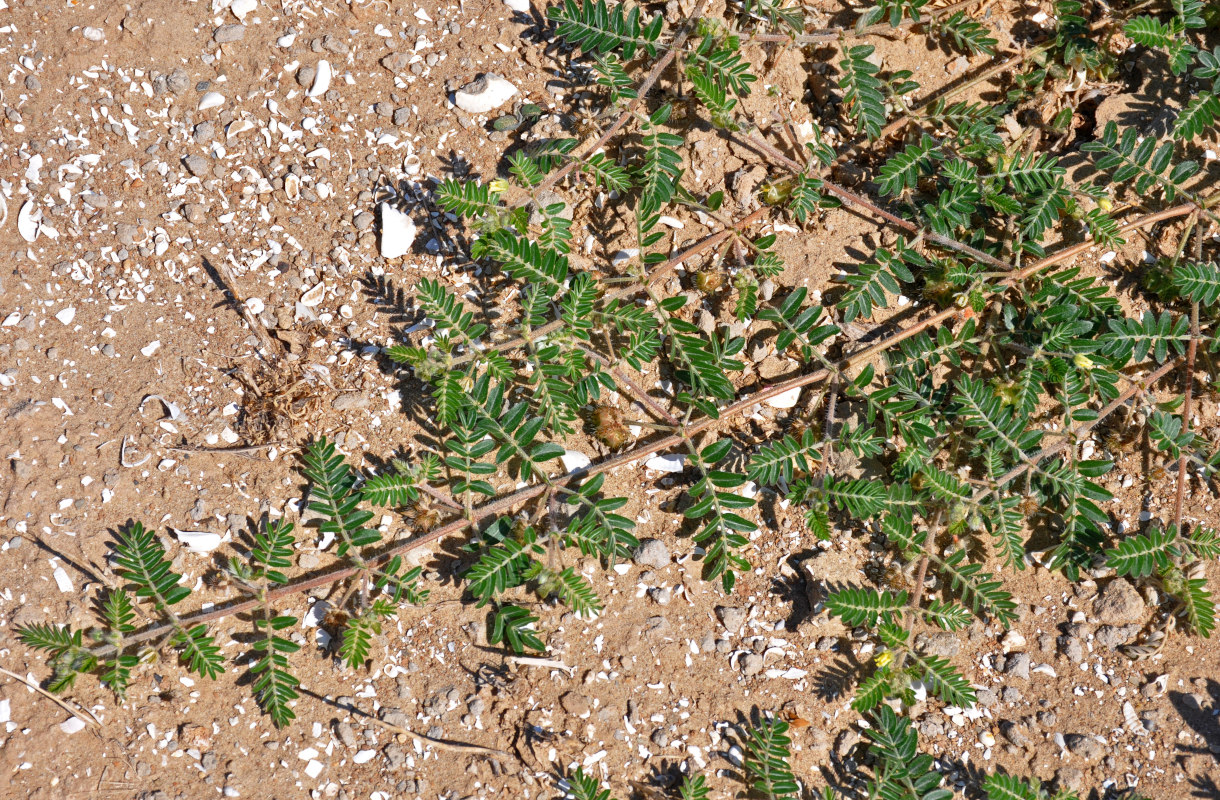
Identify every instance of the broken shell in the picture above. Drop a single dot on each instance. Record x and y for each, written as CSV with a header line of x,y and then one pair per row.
x,y
198,541
314,296
397,232
488,92
292,187
321,80
211,100
27,221
238,127
786,399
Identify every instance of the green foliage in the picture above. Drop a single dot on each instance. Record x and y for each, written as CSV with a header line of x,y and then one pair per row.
x,y
968,34
862,90
1130,158
768,751
1142,554
865,606
514,626
662,165
901,771
1197,282
597,28
867,288
337,502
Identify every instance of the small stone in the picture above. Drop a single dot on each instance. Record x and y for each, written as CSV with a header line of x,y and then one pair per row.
x,y
349,401
195,213
306,74
1119,603
1010,694
229,33
95,200
751,664
1015,732
197,165
1048,719
383,109
363,221
204,131
32,83
402,115
346,734
178,81
1017,665
987,698
651,553
659,737
208,761
732,617
396,62
1085,746
309,561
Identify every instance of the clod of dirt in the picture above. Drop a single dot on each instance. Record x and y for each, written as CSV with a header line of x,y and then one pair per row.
x,y
1119,604
1085,746
651,553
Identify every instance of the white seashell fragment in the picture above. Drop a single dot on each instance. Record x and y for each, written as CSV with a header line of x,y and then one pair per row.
x,y
198,541
93,34
292,187
520,6
1132,721
27,221
574,460
72,725
256,306
238,127
66,315
488,92
241,8
211,100
397,232
364,756
314,296
321,80
785,400
150,348
286,40
62,580
674,462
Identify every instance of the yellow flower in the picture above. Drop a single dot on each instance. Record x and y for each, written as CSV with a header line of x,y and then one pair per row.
x,y
1083,362
884,659
498,186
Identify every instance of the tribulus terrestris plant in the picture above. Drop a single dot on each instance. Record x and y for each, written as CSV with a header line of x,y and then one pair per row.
x,y
985,419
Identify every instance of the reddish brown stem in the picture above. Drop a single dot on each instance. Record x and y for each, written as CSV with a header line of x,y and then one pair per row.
x,y
506,503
